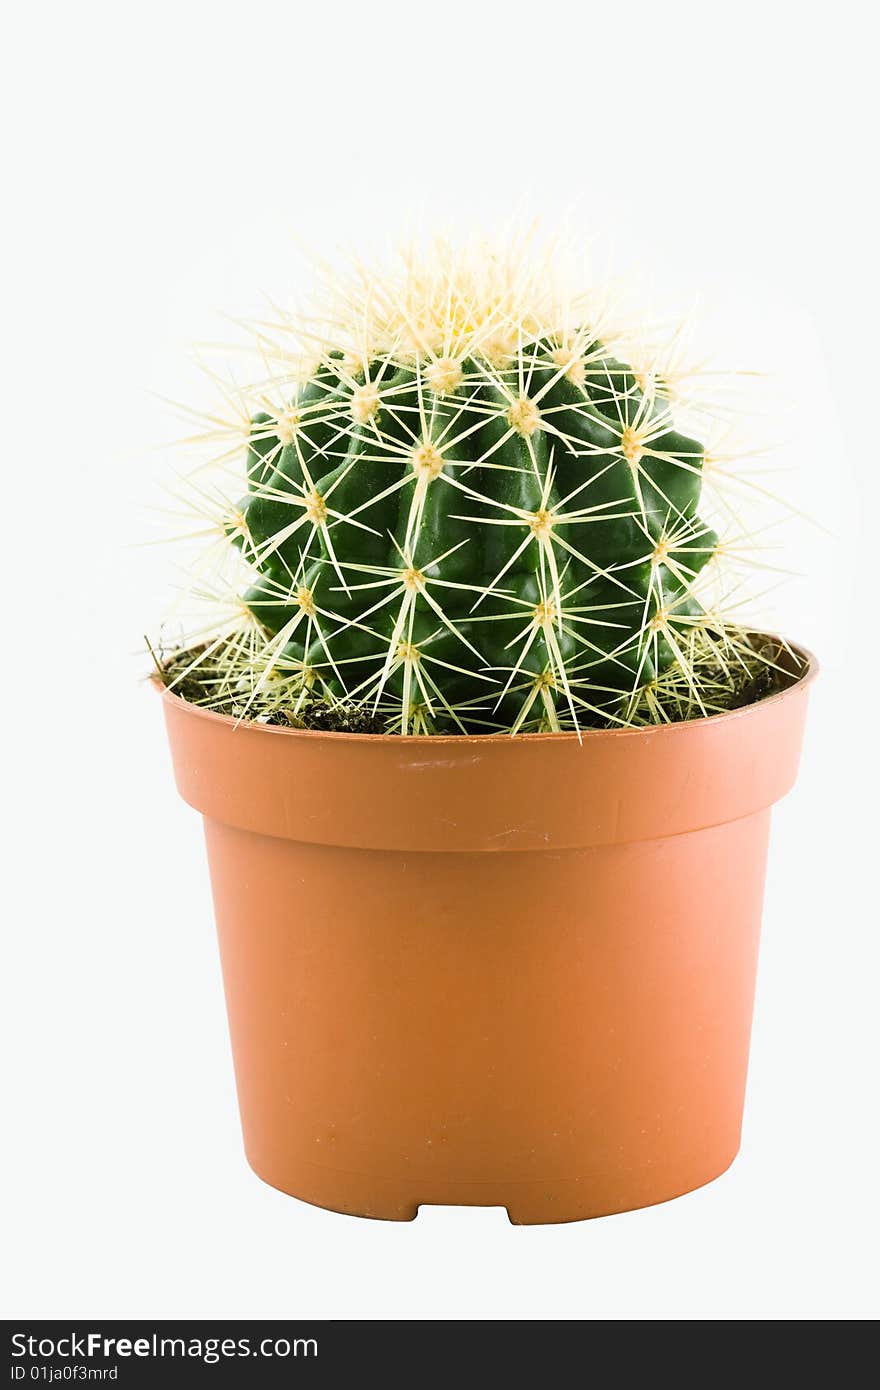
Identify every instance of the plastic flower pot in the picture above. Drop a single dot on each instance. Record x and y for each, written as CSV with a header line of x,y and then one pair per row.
x,y
492,971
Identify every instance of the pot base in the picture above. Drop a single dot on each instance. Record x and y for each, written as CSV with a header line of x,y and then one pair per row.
x,y
531,1203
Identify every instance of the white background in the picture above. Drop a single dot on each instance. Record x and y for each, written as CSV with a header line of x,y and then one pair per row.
x,y
160,161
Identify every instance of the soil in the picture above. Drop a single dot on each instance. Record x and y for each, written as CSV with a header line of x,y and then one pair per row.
x,y
198,686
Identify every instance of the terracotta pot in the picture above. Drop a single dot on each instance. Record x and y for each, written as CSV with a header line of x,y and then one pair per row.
x,y
490,971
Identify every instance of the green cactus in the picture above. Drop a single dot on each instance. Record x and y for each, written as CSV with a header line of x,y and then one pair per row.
x,y
473,517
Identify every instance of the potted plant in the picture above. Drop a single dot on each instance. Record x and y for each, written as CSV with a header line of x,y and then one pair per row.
x,y
485,770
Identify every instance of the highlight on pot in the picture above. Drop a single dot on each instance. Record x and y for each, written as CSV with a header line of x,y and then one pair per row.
x,y
458,497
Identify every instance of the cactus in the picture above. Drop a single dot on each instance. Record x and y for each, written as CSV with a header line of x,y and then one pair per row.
x,y
473,515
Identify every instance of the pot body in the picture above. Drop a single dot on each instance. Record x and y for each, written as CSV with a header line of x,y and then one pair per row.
x,y
502,972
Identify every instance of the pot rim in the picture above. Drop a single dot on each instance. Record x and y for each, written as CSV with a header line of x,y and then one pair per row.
x,y
806,677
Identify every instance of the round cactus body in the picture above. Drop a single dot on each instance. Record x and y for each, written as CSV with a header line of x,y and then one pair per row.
x,y
477,509
480,542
